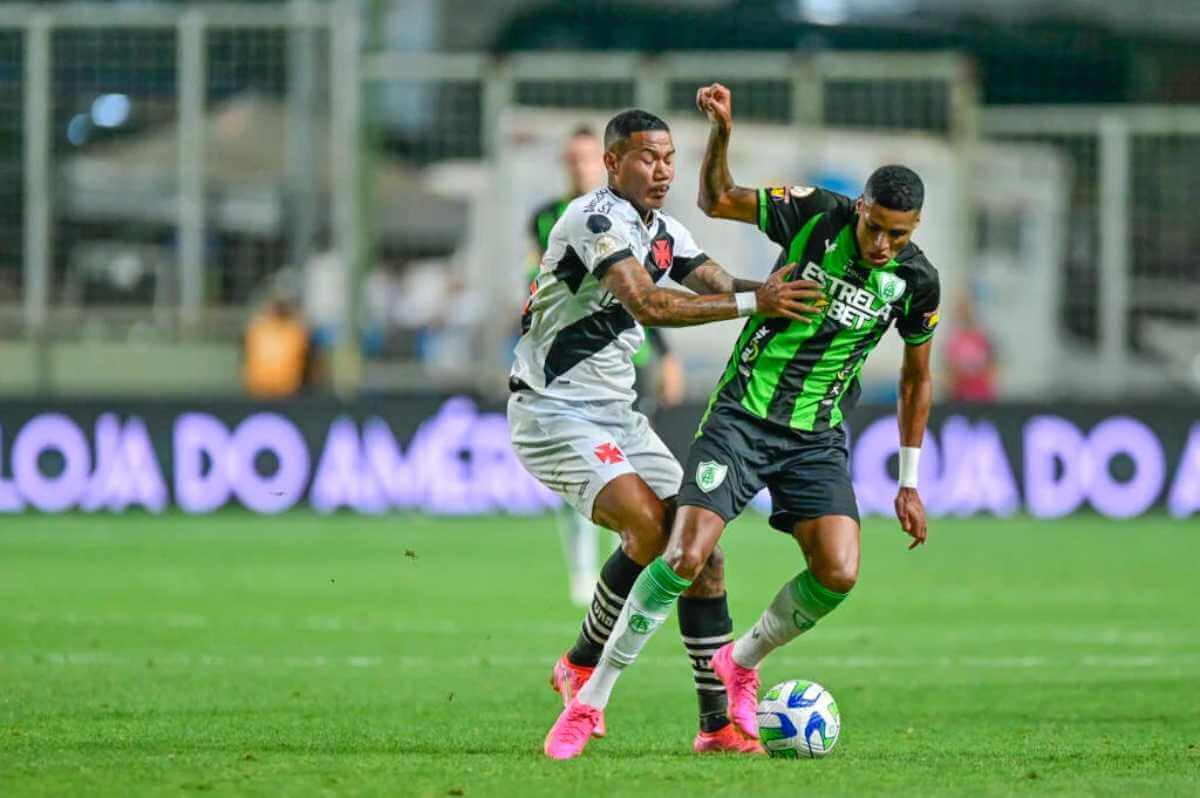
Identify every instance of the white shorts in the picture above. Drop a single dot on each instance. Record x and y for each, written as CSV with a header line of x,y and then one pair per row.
x,y
576,448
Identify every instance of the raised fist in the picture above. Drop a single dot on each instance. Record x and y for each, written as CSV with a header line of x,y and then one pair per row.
x,y
716,101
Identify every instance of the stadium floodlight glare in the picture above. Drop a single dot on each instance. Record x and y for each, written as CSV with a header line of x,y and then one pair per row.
x,y
78,129
111,110
825,12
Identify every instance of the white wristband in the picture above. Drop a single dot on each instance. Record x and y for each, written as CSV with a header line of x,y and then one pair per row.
x,y
747,303
910,457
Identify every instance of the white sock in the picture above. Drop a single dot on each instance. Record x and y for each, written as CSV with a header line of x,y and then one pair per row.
x,y
648,605
622,648
795,609
599,688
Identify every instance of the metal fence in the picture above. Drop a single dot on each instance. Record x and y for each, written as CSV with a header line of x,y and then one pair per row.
x,y
455,104
1132,266
136,225
158,228
166,230
458,96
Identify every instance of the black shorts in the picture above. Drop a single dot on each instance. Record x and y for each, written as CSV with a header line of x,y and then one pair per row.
x,y
736,455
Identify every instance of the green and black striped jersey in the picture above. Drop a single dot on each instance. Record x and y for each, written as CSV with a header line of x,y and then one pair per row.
x,y
804,375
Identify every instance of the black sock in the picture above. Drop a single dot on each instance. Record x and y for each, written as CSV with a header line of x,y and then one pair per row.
x,y
705,626
616,580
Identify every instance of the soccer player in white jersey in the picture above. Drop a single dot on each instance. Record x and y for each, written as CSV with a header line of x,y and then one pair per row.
x,y
571,413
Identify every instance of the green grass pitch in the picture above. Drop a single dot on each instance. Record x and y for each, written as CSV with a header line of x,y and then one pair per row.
x,y
305,655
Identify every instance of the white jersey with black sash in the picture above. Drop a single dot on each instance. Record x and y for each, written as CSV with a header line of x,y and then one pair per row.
x,y
578,340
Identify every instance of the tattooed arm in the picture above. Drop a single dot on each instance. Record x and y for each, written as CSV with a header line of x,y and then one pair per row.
x,y
653,306
720,197
711,277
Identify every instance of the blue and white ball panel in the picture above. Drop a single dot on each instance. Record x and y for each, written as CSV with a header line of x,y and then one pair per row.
x,y
798,719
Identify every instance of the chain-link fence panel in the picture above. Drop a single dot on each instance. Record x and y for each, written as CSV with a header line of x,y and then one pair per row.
x,y
889,105
12,173
425,121
113,93
758,100
583,94
1132,279
1079,303
1166,237
246,141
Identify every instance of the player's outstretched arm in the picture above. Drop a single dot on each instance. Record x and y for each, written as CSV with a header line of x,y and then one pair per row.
x,y
720,197
710,277
653,306
916,397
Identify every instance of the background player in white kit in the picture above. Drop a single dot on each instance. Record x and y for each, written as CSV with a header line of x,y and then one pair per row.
x,y
571,415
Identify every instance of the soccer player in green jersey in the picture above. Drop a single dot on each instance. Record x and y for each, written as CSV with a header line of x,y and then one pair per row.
x,y
775,418
583,160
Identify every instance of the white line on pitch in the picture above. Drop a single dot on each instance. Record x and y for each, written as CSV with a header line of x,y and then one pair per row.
x,y
1101,635
533,662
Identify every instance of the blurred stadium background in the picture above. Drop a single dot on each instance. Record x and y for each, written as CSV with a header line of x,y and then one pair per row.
x,y
173,169
353,180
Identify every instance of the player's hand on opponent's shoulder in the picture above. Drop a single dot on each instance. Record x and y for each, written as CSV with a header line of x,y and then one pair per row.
x,y
910,511
716,102
789,299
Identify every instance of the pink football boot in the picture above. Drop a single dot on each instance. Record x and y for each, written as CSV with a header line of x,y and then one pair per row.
x,y
741,686
571,732
567,679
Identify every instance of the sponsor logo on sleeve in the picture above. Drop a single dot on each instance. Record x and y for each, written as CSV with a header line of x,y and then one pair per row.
x,y
778,194
800,192
931,319
606,244
598,223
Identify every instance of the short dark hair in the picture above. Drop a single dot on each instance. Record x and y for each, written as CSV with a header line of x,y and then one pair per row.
x,y
626,123
896,188
582,131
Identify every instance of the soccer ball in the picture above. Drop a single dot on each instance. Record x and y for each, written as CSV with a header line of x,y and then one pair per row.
x,y
798,719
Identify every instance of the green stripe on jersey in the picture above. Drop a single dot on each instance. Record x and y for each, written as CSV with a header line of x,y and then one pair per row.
x,y
752,325
779,351
819,379
771,363
797,375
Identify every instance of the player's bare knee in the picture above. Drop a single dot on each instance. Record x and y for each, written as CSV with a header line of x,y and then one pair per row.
x,y
839,576
644,536
686,561
640,551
